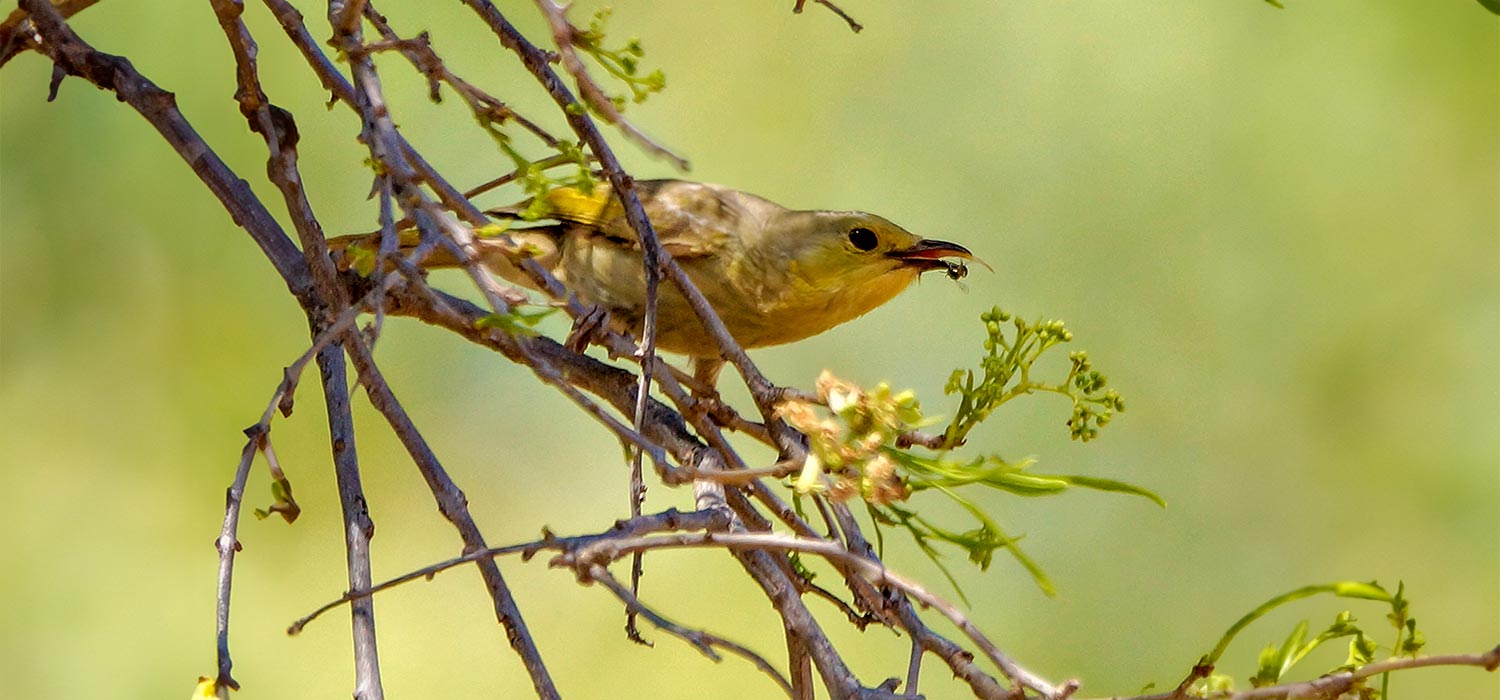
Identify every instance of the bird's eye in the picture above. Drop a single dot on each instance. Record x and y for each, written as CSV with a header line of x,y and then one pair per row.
x,y
864,240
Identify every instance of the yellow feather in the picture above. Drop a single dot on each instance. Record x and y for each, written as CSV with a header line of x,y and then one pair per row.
x,y
570,204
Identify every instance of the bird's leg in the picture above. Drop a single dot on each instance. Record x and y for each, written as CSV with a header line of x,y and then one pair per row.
x,y
685,379
705,377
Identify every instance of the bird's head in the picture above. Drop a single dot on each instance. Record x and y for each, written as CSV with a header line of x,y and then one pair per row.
x,y
846,248
845,264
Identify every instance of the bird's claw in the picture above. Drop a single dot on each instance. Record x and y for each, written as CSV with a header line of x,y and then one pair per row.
x,y
712,408
588,329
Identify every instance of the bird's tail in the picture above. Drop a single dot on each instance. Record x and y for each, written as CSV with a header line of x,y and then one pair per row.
x,y
498,253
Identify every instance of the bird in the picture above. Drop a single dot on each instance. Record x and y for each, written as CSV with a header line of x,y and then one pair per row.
x,y
774,274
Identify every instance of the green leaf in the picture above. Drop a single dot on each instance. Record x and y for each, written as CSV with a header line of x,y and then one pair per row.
x,y
1275,661
517,322
1414,641
1491,5
1217,683
1357,589
492,229
1343,589
283,504
800,568
1361,651
1026,484
361,259
1111,485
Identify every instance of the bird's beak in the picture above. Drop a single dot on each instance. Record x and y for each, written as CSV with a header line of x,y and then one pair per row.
x,y
928,254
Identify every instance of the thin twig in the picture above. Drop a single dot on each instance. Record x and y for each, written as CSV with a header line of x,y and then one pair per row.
x,y
801,663
17,33
420,53
73,56
765,394
870,569
853,25
671,520
279,131
359,529
564,34
701,640
1336,684
913,669
386,148
228,544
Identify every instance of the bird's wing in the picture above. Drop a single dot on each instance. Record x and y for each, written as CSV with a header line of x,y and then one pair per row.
x,y
691,219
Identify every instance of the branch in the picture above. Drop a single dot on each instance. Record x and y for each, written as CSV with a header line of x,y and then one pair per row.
x,y
853,25
701,640
73,56
670,520
565,35
581,553
279,130
387,149
766,395
1337,684
666,428
874,571
228,544
17,33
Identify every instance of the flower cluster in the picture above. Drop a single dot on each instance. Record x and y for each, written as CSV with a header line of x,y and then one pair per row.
x,y
1006,373
1093,405
849,446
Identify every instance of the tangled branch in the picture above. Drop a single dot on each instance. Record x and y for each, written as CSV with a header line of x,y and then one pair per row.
x,y
682,435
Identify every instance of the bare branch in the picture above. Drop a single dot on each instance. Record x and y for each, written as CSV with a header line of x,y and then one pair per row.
x,y
854,26
17,33
228,544
914,668
280,133
387,149
671,520
701,640
73,56
419,51
564,34
874,571
1337,684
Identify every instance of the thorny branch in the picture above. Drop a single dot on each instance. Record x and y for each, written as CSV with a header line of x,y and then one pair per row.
x,y
681,435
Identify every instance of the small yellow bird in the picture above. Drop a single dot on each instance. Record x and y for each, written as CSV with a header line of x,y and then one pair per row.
x,y
774,275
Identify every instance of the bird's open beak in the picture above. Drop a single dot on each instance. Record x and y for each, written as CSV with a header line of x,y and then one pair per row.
x,y
928,254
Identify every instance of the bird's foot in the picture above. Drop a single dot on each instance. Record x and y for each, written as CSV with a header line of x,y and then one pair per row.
x,y
588,329
713,408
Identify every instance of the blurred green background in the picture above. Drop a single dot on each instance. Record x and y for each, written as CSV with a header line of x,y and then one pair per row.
x,y
1277,231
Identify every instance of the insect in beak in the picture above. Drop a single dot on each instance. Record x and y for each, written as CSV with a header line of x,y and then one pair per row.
x,y
928,254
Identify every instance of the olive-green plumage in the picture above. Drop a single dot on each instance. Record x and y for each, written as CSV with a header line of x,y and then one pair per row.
x,y
775,275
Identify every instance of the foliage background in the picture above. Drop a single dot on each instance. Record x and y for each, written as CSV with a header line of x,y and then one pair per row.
x,y
1279,231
